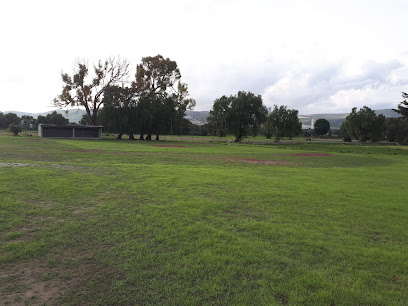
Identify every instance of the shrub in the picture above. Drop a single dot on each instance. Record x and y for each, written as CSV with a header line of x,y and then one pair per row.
x,y
347,138
15,128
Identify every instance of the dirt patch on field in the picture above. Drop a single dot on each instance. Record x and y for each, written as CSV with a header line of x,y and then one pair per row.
x,y
65,167
200,143
262,162
101,152
85,151
312,154
15,165
36,283
168,146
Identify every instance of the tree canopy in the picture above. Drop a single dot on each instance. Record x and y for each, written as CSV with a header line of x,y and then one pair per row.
x,y
283,122
396,129
7,119
86,89
155,100
321,127
52,118
241,114
364,125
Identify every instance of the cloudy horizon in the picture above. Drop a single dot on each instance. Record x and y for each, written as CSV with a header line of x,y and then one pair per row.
x,y
316,56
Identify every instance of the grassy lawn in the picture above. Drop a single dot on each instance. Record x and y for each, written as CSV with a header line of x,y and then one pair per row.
x,y
131,222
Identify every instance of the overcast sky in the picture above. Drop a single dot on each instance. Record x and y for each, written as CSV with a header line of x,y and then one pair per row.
x,y
317,56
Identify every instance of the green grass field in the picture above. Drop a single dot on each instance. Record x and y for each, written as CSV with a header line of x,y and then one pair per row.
x,y
130,222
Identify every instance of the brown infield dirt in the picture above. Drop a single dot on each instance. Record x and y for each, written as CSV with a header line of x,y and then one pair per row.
x,y
312,154
263,162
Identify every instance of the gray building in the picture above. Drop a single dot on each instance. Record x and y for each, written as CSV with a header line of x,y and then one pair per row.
x,y
70,131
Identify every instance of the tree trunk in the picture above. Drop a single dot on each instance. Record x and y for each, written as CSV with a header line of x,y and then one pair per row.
x,y
149,137
131,136
238,139
141,137
119,136
93,117
157,137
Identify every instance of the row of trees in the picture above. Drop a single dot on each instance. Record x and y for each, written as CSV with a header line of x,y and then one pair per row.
x,y
244,114
16,124
365,125
147,105
155,101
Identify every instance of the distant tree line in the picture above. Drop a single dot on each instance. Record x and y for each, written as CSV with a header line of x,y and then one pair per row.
x,y
17,124
364,125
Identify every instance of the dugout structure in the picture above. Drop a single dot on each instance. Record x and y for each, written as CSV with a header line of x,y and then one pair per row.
x,y
70,131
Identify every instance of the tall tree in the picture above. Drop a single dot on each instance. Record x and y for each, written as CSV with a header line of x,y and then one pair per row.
x,y
241,114
86,89
158,80
283,122
321,126
403,106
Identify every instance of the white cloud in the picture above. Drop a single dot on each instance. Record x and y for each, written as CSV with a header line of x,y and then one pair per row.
x,y
340,87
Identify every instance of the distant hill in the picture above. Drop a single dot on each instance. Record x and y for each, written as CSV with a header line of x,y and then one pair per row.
x,y
337,119
197,117
200,117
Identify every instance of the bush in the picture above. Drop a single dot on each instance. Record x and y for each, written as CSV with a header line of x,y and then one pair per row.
x,y
347,138
15,128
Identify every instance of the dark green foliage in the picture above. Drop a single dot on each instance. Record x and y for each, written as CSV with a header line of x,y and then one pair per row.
x,y
347,138
283,122
242,115
119,113
28,122
7,119
364,125
85,120
53,118
15,128
321,127
403,106
396,129
156,76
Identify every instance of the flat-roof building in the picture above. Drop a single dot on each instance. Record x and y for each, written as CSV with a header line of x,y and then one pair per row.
x,y
70,131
